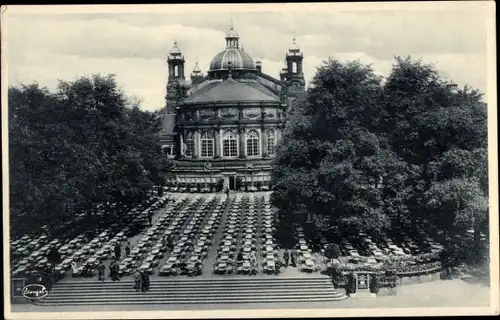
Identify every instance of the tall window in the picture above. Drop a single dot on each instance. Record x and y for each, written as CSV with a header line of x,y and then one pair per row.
x,y
207,144
229,145
271,142
253,144
189,145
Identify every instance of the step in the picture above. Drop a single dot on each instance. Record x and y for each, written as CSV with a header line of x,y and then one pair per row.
x,y
163,300
88,303
212,289
192,286
188,296
191,293
209,280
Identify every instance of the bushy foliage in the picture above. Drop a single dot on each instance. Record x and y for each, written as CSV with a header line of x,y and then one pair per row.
x,y
370,154
82,146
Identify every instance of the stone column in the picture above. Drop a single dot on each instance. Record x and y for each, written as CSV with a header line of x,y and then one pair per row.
x,y
182,136
217,143
243,147
196,140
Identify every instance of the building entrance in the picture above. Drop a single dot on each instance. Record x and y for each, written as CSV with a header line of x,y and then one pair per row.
x,y
232,183
229,182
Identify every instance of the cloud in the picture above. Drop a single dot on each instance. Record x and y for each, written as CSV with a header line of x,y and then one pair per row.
x,y
45,48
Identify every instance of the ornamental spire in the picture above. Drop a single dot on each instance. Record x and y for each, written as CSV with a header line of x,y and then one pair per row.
x,y
232,37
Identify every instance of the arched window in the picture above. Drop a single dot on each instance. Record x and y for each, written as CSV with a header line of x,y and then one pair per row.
x,y
176,71
207,144
189,145
253,144
294,67
271,142
229,145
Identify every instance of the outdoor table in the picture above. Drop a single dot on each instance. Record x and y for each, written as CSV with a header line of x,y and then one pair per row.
x,y
198,250
223,257
269,249
141,245
249,236
247,249
354,253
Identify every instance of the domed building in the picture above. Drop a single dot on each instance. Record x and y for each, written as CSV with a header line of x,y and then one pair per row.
x,y
221,129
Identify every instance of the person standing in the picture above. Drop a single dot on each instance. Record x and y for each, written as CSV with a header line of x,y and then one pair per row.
x,y
127,249
277,266
114,269
100,271
150,218
74,269
293,259
137,280
170,245
145,280
350,284
286,257
53,257
118,251
227,193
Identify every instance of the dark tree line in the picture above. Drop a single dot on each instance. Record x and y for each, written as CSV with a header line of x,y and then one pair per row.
x,y
368,153
83,146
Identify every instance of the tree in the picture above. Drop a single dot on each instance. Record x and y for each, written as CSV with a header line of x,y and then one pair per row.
x,y
83,147
324,162
439,132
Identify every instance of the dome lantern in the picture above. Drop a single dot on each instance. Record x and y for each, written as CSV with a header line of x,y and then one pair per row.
x,y
175,52
294,49
232,38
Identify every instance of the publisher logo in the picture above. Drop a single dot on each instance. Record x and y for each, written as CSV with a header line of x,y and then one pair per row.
x,y
35,291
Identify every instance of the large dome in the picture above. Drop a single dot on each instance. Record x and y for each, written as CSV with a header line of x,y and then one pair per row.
x,y
239,59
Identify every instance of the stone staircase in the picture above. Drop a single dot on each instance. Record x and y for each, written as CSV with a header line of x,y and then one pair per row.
x,y
196,291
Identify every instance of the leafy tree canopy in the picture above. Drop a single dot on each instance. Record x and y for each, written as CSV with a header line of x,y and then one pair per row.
x,y
86,144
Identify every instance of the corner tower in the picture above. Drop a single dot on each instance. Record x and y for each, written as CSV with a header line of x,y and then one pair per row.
x,y
294,77
176,79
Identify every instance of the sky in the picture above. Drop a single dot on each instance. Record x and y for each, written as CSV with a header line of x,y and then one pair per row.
x,y
133,44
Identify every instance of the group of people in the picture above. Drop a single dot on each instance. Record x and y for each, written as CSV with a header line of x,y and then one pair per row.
x,y
141,280
290,258
252,260
114,268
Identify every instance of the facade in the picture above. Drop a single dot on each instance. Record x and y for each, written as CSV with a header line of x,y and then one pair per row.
x,y
221,129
